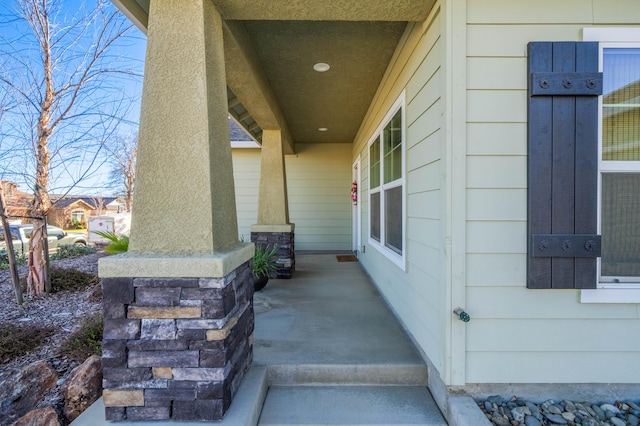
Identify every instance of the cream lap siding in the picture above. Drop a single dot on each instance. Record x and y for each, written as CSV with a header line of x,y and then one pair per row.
x,y
318,180
319,184
246,174
416,295
518,335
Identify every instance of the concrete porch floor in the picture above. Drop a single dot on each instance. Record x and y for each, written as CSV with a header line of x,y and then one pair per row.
x,y
327,350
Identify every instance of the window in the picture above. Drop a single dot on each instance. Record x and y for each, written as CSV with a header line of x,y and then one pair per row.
x,y
77,217
386,186
619,166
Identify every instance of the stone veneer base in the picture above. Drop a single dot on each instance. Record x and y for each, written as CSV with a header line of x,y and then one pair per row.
x,y
286,250
176,348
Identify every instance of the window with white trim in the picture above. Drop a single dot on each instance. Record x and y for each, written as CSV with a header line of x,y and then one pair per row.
x,y
619,166
386,186
78,216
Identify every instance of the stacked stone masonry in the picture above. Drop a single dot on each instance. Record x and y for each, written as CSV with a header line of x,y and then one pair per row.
x,y
284,241
176,348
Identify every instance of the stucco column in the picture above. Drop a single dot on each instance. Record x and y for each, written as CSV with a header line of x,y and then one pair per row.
x,y
273,206
273,227
184,207
178,312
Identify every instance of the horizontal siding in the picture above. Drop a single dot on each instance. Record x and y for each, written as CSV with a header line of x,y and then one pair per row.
x,y
570,366
246,174
544,306
496,139
539,11
318,184
416,294
497,172
495,269
496,73
505,106
497,204
487,40
517,335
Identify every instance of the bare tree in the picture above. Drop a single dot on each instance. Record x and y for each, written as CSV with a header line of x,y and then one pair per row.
x,y
123,154
98,204
62,74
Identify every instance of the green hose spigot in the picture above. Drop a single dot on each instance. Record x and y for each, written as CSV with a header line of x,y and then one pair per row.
x,y
462,315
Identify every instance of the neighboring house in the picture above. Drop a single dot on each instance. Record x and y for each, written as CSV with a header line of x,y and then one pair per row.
x,y
68,211
492,170
73,211
18,203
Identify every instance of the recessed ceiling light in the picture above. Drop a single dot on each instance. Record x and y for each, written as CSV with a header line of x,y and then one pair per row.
x,y
322,129
321,67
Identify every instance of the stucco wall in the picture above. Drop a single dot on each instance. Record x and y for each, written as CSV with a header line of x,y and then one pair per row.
x,y
318,180
417,294
518,335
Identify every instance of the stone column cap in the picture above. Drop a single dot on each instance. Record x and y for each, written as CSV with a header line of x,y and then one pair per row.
x,y
288,227
210,265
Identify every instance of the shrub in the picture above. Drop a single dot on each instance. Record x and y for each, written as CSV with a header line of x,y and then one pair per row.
x,y
85,341
75,250
63,279
71,279
264,261
18,340
119,244
21,259
77,224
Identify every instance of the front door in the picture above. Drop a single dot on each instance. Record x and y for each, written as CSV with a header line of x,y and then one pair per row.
x,y
355,210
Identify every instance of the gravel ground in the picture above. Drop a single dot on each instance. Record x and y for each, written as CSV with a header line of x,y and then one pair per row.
x,y
64,311
519,412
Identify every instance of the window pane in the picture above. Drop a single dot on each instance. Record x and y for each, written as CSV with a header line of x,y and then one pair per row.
x,y
620,225
392,137
374,160
621,105
375,216
393,219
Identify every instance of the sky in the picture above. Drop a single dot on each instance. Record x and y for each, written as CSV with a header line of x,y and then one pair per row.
x,y
114,95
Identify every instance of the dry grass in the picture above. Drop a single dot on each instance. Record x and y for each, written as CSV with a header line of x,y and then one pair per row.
x,y
18,340
85,341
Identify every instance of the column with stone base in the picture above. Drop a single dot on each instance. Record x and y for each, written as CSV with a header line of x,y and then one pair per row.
x,y
178,306
282,237
176,348
273,228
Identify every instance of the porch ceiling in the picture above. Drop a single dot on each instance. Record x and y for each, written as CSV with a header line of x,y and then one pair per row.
x,y
283,39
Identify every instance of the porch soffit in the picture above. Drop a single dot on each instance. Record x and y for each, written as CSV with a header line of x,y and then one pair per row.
x,y
285,38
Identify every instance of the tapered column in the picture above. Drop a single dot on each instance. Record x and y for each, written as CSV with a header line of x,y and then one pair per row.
x,y
178,312
273,227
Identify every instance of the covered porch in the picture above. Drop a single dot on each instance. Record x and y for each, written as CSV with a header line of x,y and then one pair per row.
x,y
328,350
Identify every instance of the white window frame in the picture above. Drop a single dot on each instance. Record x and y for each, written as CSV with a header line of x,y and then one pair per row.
x,y
397,258
84,214
608,291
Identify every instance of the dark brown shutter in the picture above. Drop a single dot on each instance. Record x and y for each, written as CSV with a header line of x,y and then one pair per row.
x,y
563,244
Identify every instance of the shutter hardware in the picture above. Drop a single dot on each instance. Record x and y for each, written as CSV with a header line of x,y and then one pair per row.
x,y
565,245
566,84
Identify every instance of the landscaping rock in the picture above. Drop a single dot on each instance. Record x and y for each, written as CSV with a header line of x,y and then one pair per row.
x,y
41,417
83,387
501,411
21,390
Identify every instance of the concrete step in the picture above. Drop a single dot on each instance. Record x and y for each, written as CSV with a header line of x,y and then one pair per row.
x,y
350,405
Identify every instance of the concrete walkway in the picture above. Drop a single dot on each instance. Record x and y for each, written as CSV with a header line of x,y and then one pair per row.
x,y
326,351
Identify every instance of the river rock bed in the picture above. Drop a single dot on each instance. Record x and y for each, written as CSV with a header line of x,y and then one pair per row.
x,y
520,412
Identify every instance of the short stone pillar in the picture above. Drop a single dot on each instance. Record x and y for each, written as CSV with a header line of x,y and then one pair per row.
x,y
282,237
176,348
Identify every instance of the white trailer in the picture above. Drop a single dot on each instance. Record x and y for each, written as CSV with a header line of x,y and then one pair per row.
x,y
119,224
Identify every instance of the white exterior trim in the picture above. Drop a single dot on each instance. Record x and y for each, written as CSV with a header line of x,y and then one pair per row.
x,y
610,295
397,259
608,291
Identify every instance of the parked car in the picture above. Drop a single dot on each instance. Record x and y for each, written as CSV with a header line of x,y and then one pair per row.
x,y
56,236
